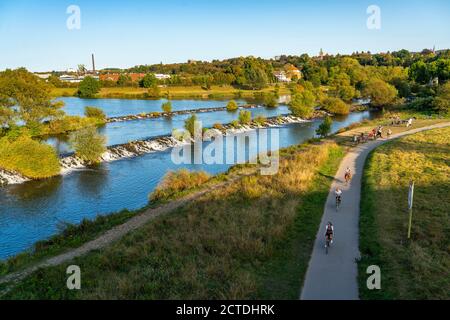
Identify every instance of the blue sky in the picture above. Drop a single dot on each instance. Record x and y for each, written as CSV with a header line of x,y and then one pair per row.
x,y
33,34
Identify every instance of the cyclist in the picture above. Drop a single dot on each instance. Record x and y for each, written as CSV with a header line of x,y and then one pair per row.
x,y
348,175
329,231
338,195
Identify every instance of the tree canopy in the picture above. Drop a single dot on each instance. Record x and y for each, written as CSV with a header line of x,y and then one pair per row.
x,y
88,87
30,95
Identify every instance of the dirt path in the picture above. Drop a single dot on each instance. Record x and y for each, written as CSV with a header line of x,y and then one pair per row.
x,y
113,234
334,276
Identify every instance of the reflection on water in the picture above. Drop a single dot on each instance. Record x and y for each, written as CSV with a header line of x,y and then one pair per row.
x,y
33,210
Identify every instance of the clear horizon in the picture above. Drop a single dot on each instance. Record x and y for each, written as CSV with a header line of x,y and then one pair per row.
x,y
35,36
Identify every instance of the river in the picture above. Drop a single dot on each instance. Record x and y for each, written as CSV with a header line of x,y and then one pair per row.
x,y
36,210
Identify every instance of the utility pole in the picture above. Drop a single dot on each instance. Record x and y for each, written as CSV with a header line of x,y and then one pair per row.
x,y
410,206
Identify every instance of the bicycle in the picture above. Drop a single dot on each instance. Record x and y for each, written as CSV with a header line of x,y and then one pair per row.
x,y
327,243
338,202
347,177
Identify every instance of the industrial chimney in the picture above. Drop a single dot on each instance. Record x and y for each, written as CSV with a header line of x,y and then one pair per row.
x,y
93,64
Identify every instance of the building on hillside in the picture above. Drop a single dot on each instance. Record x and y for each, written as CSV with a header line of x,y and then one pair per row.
x,y
109,77
281,76
292,72
43,75
71,78
161,76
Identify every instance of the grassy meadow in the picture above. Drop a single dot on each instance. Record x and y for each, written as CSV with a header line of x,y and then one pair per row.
x,y
173,92
250,239
418,268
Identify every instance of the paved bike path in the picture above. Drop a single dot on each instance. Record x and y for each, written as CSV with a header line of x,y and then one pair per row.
x,y
334,276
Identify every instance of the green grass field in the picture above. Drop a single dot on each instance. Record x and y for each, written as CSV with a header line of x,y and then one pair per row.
x,y
251,239
176,92
410,269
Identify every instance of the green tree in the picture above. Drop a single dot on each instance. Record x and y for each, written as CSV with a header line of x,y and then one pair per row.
x,y
167,107
123,80
190,124
335,105
381,93
420,72
302,104
245,116
148,81
93,112
88,87
325,127
23,91
270,100
88,144
232,105
442,100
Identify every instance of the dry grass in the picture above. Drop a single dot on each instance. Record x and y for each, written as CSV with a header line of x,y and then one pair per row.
x,y
175,92
250,239
178,181
419,268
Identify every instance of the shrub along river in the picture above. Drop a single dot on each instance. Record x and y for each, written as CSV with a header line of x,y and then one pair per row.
x,y
36,210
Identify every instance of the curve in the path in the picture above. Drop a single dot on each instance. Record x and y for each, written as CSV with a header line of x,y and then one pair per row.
x,y
334,276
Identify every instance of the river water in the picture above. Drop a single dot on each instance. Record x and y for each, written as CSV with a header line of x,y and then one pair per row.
x,y
36,210
123,132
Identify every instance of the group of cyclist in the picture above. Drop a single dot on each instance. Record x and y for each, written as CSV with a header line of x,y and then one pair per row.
x,y
329,231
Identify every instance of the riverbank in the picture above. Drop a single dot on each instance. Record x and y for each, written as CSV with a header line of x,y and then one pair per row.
x,y
416,268
254,251
175,92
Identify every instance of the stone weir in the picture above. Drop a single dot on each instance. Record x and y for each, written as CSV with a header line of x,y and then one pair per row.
x,y
139,147
154,144
151,115
11,177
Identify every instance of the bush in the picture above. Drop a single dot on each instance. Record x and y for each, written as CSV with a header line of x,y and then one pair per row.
x,y
88,144
70,123
232,106
154,92
235,124
335,106
93,112
88,87
218,126
441,103
166,107
29,157
190,124
245,117
325,127
260,120
270,100
178,181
